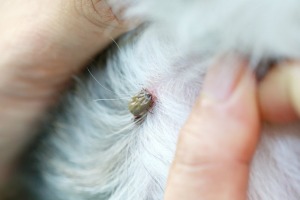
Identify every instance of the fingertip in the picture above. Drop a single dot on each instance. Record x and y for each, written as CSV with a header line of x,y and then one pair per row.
x,y
294,87
279,98
217,143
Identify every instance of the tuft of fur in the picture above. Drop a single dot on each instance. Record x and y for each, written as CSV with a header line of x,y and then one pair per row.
x,y
94,150
259,28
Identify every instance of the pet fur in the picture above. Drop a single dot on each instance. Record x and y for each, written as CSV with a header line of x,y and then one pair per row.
x,y
94,150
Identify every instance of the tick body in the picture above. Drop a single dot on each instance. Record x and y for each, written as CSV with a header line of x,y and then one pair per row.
x,y
141,103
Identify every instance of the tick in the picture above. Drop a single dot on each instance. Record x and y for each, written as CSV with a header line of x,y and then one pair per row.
x,y
141,103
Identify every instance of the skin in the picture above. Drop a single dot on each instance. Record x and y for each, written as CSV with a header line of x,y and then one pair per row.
x,y
217,143
44,42
280,90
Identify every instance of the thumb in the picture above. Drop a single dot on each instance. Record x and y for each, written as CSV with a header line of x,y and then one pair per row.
x,y
279,94
218,141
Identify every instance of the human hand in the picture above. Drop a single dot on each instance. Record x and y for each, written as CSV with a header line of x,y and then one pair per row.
x,y
217,143
279,93
42,44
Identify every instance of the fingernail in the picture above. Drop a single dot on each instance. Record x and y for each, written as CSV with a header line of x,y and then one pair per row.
x,y
223,77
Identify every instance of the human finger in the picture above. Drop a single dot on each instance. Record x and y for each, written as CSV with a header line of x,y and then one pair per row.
x,y
279,94
218,141
43,43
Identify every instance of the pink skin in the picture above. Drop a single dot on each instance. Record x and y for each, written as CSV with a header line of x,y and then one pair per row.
x,y
39,55
217,143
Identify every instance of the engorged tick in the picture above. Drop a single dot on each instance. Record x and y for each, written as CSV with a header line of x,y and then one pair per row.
x,y
141,103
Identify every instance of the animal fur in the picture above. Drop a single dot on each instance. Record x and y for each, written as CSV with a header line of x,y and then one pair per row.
x,y
94,150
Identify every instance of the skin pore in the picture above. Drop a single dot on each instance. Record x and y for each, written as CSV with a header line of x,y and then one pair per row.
x,y
53,39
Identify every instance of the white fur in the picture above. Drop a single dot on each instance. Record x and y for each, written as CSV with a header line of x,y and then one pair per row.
x,y
256,27
95,150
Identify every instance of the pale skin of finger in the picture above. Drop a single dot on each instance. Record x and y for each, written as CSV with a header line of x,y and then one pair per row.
x,y
279,93
42,44
216,145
